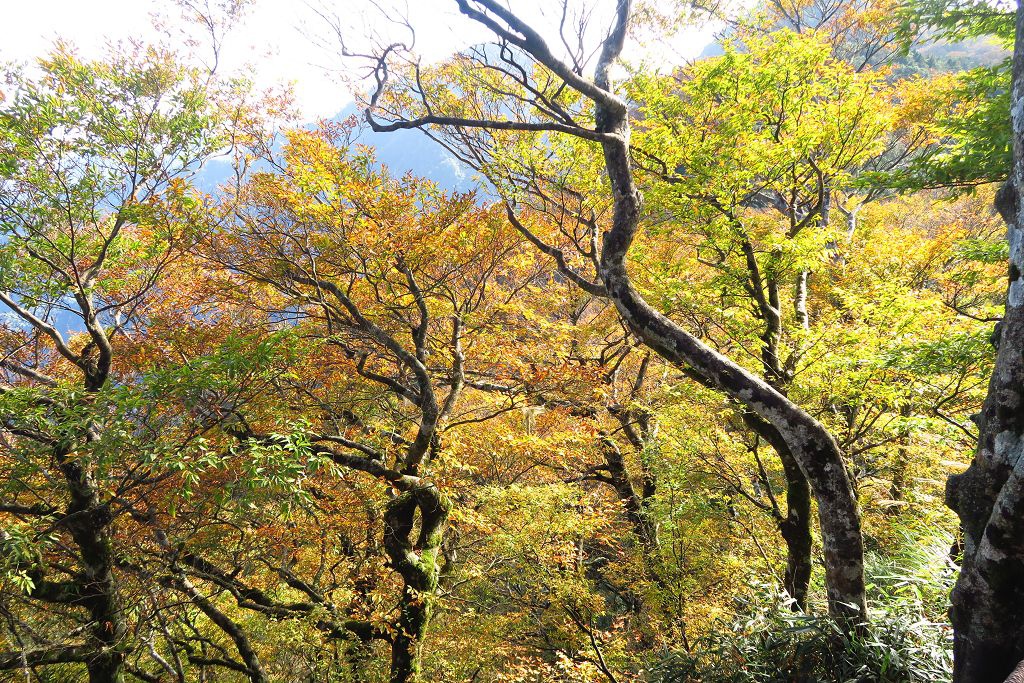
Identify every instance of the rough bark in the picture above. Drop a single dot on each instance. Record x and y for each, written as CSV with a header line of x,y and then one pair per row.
x,y
1017,676
88,521
416,561
988,599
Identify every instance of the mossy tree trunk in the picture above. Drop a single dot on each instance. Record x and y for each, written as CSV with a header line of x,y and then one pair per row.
x,y
415,557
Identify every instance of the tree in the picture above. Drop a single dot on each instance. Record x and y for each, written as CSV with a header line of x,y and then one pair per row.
x,y
393,283
550,96
989,496
337,425
863,33
973,141
777,128
94,212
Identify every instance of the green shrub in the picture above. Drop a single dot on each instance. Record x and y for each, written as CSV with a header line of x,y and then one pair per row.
x,y
779,646
906,642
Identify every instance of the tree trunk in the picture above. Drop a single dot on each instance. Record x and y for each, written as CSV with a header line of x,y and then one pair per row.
x,y
795,527
796,531
253,667
901,468
811,445
634,504
988,599
88,522
813,448
417,564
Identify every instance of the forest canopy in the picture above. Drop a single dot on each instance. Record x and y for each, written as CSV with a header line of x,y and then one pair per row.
x,y
710,370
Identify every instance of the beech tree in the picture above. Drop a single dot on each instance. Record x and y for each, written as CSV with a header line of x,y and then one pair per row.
x,y
95,209
335,424
718,145
541,92
989,497
397,283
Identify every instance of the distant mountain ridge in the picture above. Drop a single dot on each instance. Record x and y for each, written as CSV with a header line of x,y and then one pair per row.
x,y
401,151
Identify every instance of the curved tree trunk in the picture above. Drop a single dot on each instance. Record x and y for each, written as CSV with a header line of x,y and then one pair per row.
x,y
417,563
812,447
253,668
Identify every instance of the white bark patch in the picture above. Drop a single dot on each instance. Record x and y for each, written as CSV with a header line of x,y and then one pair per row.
x,y
1015,295
1017,113
1014,446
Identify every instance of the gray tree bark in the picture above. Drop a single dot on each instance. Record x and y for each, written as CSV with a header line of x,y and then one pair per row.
x,y
815,451
988,599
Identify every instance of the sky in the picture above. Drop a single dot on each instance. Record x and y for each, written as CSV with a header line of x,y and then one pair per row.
x,y
285,41
272,37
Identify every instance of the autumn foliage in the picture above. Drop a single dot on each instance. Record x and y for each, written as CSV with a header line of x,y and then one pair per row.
x,y
331,422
